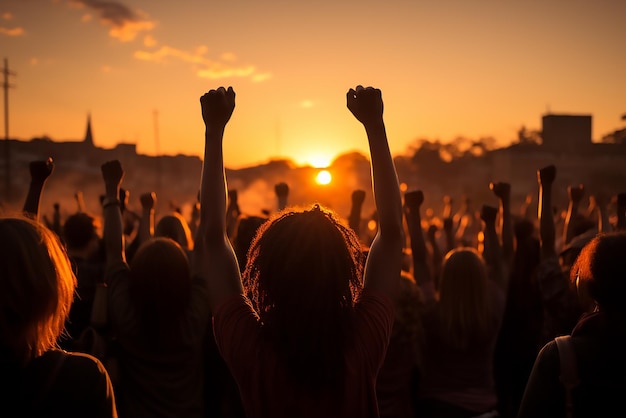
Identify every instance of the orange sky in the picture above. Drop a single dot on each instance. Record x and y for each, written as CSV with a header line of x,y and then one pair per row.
x,y
447,68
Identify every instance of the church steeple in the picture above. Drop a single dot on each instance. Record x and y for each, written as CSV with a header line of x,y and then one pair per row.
x,y
88,136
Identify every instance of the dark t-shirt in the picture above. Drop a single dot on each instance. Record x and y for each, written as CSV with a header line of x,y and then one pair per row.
x,y
265,386
57,384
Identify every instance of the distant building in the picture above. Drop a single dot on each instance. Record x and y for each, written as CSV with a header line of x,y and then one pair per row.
x,y
566,133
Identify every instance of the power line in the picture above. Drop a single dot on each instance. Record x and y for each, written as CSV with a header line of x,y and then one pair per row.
x,y
7,149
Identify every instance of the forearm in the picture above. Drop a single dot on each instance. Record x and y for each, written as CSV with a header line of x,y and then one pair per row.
x,y
421,272
113,234
385,255
507,231
214,258
568,232
385,183
33,198
146,225
547,232
213,192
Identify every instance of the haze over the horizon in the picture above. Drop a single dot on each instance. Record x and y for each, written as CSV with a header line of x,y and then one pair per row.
x,y
446,68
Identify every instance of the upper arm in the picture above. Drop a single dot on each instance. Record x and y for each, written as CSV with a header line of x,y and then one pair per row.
x,y
384,262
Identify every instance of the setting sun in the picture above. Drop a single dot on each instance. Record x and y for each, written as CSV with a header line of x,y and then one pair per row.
x,y
323,177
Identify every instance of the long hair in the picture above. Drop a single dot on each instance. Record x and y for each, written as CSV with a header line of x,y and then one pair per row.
x,y
464,307
175,226
303,276
36,289
160,288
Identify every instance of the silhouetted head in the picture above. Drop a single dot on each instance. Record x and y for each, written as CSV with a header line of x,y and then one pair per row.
x,y
160,285
247,227
303,259
36,289
175,226
464,306
304,274
79,231
600,272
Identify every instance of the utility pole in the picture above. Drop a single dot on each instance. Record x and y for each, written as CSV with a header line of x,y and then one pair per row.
x,y
155,115
7,149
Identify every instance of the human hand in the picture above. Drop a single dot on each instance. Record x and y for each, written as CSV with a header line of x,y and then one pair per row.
x,y
56,206
281,189
358,197
447,224
217,107
431,232
488,214
148,200
366,104
112,173
41,170
232,197
501,190
546,175
414,199
576,193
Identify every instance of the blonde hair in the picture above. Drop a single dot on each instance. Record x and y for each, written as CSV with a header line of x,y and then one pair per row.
x,y
36,288
464,308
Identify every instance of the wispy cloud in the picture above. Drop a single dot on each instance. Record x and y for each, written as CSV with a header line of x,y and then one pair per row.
x,y
124,23
12,31
205,67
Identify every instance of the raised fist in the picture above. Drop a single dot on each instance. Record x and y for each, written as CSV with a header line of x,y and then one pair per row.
x,y
41,170
148,200
414,199
488,214
358,197
281,189
217,107
432,231
501,190
576,193
112,172
546,175
365,103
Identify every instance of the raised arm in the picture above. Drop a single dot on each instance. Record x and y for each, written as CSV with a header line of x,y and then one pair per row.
x,y
214,258
146,223
384,261
547,234
39,173
421,272
354,219
232,213
492,252
282,194
113,235
503,192
575,194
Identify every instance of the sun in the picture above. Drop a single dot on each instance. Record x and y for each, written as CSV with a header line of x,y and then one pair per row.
x,y
323,177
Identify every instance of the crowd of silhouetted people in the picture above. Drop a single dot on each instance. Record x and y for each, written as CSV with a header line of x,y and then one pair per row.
x,y
302,311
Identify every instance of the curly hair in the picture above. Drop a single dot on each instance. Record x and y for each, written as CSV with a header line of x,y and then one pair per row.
x,y
303,276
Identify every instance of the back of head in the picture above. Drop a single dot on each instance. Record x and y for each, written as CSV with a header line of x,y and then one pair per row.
x,y
36,288
303,276
247,228
464,307
601,268
160,285
79,230
175,226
